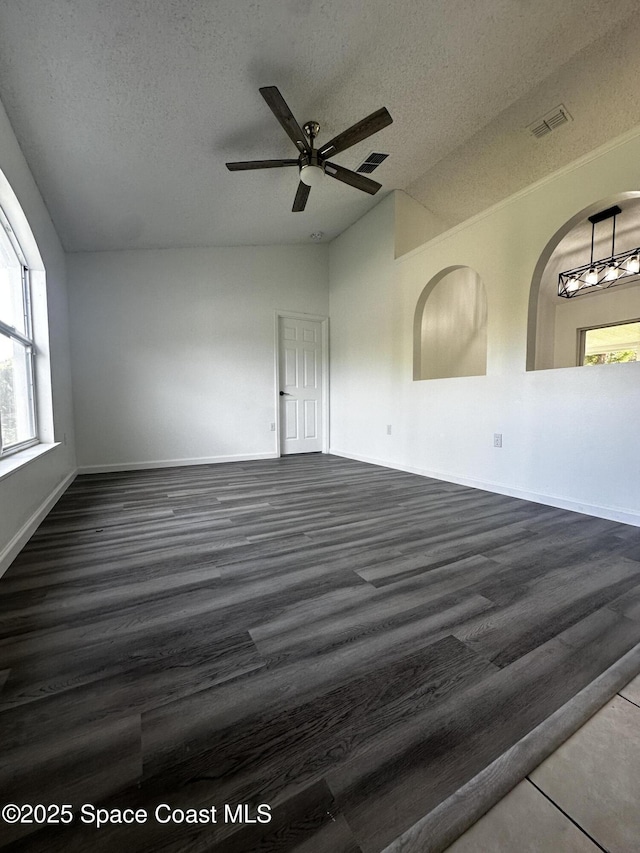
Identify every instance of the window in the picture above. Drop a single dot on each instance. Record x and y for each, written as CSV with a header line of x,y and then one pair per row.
x,y
17,397
610,344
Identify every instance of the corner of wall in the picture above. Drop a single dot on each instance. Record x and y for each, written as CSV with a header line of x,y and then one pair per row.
x,y
12,548
414,224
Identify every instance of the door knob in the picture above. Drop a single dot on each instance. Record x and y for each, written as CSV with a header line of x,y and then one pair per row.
x,y
284,394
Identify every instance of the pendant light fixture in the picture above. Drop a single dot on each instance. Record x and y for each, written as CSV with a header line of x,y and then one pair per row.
x,y
607,272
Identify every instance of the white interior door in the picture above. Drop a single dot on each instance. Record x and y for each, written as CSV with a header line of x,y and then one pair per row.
x,y
300,372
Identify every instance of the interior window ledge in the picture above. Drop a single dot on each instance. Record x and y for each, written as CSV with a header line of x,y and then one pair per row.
x,y
18,460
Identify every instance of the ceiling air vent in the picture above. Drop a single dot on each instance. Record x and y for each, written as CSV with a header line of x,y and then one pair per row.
x,y
553,119
372,162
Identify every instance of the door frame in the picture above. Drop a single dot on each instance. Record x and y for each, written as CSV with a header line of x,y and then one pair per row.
x,y
324,325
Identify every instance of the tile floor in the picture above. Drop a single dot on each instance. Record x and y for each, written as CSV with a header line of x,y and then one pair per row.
x,y
584,798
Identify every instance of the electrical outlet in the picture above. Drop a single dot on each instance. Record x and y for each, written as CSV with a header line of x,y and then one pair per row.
x,y
388,429
273,427
497,439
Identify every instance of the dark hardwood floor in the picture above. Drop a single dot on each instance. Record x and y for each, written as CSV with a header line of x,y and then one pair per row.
x,y
344,643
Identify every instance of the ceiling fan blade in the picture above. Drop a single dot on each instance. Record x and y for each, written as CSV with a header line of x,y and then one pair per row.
x,y
300,201
281,111
259,164
352,178
368,126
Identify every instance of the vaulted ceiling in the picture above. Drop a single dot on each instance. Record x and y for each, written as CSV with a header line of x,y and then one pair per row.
x,y
127,110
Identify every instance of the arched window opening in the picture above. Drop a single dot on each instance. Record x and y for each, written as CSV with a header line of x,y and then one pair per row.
x,y
598,324
450,326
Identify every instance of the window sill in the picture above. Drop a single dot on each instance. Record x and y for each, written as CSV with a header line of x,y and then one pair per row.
x,y
10,464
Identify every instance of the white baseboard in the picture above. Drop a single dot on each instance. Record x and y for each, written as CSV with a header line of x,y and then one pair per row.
x,y
15,545
174,463
625,516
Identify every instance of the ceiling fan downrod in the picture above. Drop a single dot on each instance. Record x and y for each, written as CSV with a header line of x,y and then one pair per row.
x,y
311,169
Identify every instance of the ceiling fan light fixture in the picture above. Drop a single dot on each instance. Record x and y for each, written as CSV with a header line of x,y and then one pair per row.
x,y
312,162
311,175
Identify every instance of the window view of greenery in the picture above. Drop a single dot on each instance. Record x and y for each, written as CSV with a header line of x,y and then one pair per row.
x,y
8,395
17,417
7,405
612,344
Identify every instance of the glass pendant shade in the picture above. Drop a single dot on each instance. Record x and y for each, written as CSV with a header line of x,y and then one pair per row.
x,y
611,273
311,175
633,264
592,276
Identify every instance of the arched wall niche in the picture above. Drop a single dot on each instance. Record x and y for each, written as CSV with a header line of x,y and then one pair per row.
x,y
450,326
554,323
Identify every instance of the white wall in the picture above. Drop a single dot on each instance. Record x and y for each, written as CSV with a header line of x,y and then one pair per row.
x,y
365,337
414,224
173,349
26,492
569,435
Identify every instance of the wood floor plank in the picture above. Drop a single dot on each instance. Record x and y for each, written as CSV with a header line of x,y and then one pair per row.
x,y
87,766
325,727
505,634
628,603
345,643
458,738
410,615
301,822
294,681
104,686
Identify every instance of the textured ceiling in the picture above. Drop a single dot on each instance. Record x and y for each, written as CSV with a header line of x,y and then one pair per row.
x,y
597,87
127,110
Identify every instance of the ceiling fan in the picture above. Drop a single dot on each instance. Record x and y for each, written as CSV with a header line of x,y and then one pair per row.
x,y
312,162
